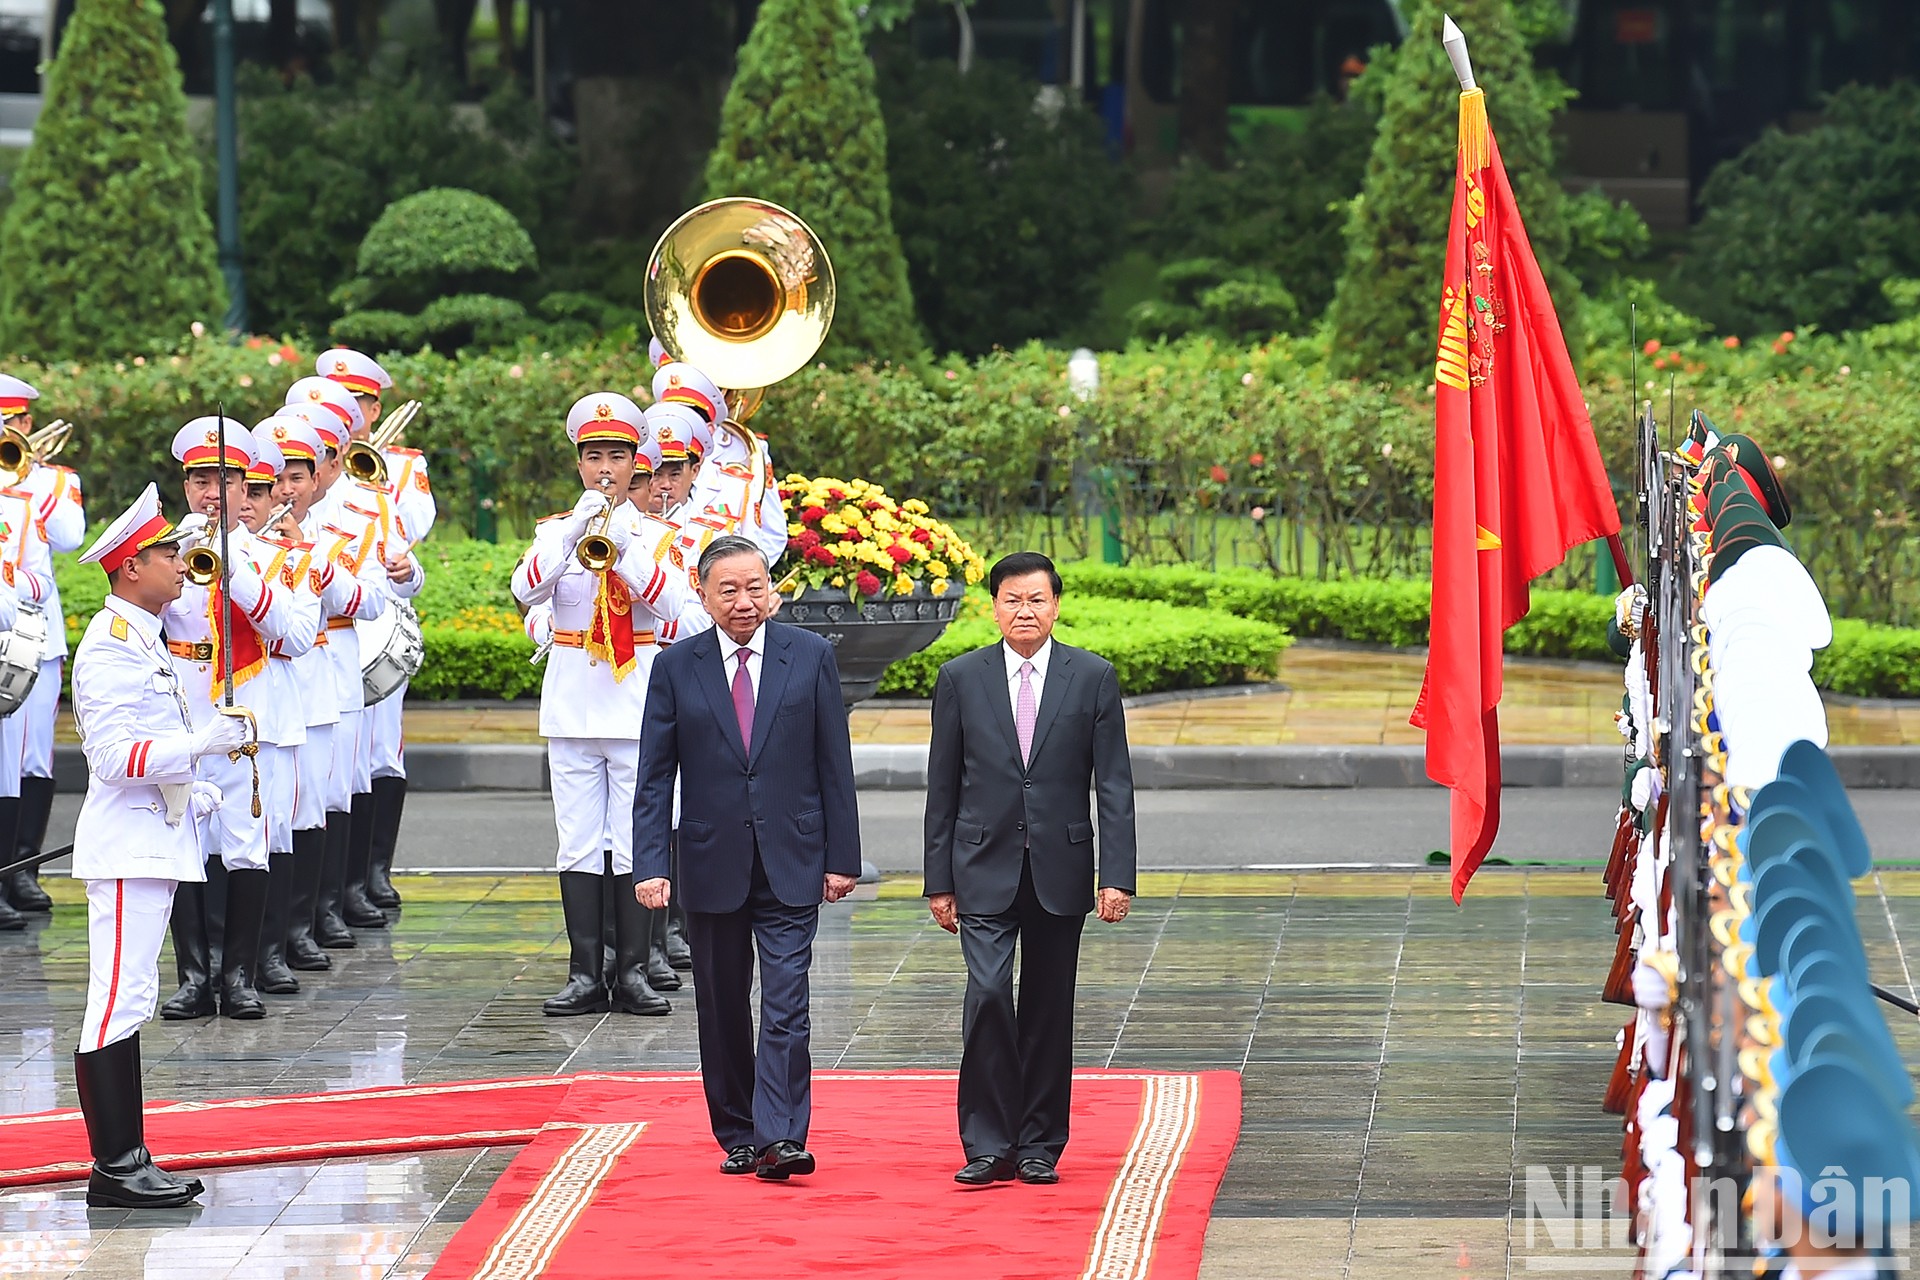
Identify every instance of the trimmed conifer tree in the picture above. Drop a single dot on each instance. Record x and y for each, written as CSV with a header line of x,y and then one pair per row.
x,y
1385,311
801,127
107,245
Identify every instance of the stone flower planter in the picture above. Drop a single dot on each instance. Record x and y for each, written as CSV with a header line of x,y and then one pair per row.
x,y
871,634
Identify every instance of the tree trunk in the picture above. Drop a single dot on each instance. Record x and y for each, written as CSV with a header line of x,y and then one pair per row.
x,y
283,26
503,16
453,19
1205,73
649,79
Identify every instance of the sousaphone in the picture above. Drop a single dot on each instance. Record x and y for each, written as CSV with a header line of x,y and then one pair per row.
x,y
743,290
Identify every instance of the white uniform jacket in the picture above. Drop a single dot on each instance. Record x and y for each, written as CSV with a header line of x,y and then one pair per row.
x,y
63,521
410,493
580,697
736,486
138,734
273,613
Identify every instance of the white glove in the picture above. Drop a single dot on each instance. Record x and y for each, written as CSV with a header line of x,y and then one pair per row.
x,y
540,625
592,503
1650,989
224,735
1626,605
206,797
1646,788
193,526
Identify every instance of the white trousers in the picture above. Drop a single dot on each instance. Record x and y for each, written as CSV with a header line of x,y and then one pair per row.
x,y
389,757
37,719
126,921
350,773
232,833
593,781
279,789
313,761
13,746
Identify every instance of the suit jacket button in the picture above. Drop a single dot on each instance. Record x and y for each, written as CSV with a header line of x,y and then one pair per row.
x,y
1019,826
1028,784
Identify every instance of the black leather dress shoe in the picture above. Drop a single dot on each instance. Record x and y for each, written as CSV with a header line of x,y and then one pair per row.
x,y
744,1158
1038,1173
782,1160
985,1170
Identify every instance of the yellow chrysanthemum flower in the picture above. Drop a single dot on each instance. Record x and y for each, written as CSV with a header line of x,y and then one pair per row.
x,y
938,568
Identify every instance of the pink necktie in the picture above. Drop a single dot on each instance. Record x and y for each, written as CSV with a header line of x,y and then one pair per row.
x,y
1025,712
743,699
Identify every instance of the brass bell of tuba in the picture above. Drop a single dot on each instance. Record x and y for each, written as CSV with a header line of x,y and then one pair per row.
x,y
741,288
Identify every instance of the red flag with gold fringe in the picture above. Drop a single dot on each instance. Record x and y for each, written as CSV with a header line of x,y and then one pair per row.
x,y
1518,480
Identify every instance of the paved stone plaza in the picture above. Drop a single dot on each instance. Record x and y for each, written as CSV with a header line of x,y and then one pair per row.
x,y
1404,1060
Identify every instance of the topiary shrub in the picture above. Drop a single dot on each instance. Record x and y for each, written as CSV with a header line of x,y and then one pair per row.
x,y
1800,229
1212,297
107,244
1005,204
426,268
1385,308
802,127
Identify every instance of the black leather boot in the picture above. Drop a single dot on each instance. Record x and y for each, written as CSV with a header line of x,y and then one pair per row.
x,y
633,992
389,802
609,926
36,805
192,955
11,921
308,863
355,907
329,929
271,976
240,947
580,904
660,974
124,1175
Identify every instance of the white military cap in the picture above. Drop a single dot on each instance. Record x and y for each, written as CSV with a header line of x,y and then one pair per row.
x,y
681,383
134,530
294,436
358,373
333,395
605,415
682,433
268,461
658,353
16,395
198,444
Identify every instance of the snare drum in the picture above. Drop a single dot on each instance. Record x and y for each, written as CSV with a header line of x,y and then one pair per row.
x,y
391,650
21,650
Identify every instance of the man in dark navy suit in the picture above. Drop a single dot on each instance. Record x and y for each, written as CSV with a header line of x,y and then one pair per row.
x,y
749,716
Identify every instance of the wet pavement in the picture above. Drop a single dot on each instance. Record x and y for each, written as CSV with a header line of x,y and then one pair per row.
x,y
1404,1061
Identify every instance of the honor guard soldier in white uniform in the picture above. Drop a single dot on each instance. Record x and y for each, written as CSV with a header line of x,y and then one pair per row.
x,y
55,494
136,839
409,490
330,680
735,483
597,566
284,558
364,512
26,568
203,632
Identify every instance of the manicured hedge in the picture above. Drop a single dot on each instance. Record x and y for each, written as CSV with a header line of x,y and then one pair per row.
x,y
1153,646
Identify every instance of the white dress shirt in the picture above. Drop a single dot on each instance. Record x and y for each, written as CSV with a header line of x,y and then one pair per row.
x,y
1039,661
756,647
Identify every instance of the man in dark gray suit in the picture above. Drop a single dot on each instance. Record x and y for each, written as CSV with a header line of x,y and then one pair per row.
x,y
749,716
1023,731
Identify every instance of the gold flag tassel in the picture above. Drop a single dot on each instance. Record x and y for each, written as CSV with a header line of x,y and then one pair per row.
x,y
1475,132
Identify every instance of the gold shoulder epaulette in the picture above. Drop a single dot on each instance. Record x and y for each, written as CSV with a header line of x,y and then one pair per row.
x,y
118,628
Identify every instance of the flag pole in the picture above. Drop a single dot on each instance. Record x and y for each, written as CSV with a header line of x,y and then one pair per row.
x,y
1454,41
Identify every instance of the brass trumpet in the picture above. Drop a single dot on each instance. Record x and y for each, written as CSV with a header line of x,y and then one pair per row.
x,y
595,550
203,566
365,460
16,454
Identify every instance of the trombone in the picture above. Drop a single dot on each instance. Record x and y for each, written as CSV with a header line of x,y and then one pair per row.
x,y
19,451
366,460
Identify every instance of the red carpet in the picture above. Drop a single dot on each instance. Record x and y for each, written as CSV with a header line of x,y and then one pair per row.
x,y
620,1175
626,1182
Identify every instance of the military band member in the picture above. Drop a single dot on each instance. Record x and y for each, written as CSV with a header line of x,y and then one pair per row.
x,y
26,564
411,493
204,630
135,840
735,481
58,509
311,445
594,693
290,563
